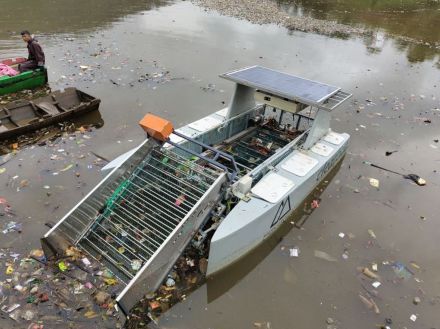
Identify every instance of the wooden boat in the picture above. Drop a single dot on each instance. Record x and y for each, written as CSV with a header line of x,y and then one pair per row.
x,y
21,116
22,81
221,184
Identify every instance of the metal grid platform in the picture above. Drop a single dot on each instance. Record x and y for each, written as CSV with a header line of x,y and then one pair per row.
x,y
255,147
336,100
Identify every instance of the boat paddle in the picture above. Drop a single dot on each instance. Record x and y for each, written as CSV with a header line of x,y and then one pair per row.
x,y
415,178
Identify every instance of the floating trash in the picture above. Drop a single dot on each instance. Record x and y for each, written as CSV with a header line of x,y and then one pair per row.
x,y
294,252
376,284
401,270
325,256
136,264
374,182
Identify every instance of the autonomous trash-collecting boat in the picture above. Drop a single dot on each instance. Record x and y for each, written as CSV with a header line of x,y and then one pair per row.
x,y
223,183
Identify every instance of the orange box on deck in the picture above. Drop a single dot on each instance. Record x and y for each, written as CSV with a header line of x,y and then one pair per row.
x,y
156,127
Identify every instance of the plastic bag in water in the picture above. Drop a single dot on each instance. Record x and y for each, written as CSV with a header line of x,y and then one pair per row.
x,y
401,270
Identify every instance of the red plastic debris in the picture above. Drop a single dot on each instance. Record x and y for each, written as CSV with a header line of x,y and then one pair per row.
x,y
314,204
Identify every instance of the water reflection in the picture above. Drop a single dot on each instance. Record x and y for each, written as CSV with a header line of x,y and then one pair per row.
x,y
46,17
413,19
417,53
375,42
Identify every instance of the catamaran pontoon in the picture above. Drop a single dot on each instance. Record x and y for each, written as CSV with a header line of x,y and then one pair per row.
x,y
224,182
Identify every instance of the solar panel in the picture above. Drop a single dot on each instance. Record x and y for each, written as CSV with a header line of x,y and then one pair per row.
x,y
282,84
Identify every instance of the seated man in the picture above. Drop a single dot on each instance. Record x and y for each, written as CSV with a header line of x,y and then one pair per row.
x,y
36,55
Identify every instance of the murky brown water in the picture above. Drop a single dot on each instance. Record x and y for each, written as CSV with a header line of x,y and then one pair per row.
x,y
124,40
415,19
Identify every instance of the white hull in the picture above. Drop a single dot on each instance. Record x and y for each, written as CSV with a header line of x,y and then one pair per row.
x,y
249,223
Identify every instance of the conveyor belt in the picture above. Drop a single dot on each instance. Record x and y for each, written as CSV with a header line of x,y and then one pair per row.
x,y
144,209
140,218
252,149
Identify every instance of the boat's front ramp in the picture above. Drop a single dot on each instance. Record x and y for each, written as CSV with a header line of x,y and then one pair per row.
x,y
141,217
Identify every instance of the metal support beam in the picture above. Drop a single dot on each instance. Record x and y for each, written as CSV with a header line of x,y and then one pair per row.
x,y
218,154
242,100
320,127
